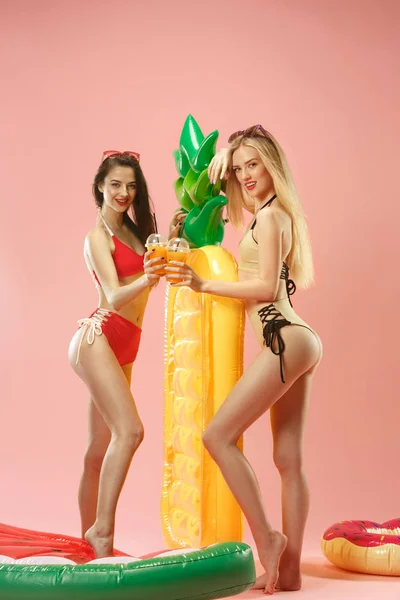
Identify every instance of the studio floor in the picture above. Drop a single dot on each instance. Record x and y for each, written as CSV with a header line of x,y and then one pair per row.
x,y
323,581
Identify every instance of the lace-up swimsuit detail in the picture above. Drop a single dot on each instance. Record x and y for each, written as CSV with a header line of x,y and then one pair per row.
x,y
122,335
272,320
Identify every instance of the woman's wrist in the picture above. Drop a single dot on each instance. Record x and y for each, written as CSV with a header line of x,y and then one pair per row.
x,y
146,281
206,287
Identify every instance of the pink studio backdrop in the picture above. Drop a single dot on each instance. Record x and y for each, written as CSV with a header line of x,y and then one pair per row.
x,y
80,77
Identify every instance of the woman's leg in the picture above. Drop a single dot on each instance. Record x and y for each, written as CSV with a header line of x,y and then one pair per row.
x,y
110,391
258,389
99,439
288,416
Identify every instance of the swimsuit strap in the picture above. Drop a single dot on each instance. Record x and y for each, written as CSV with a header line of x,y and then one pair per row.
x,y
106,226
267,204
290,284
92,326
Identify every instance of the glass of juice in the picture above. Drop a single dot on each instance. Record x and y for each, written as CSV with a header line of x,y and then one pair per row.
x,y
158,243
178,249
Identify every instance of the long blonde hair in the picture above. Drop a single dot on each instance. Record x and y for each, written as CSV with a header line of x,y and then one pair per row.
x,y
299,260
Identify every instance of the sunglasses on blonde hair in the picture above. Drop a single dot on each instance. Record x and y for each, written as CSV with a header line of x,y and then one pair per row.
x,y
254,131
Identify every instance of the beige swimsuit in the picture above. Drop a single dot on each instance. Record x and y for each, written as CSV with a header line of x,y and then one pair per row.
x,y
268,318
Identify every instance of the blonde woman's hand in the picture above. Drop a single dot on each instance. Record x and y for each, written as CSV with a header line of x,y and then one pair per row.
x,y
182,271
151,266
219,166
177,222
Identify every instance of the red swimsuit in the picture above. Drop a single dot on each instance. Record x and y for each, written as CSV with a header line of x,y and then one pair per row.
x,y
122,335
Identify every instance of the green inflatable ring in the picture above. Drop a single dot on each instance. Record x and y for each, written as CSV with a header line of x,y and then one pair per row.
x,y
218,571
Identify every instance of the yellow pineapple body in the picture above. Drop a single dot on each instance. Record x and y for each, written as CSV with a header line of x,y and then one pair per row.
x,y
203,361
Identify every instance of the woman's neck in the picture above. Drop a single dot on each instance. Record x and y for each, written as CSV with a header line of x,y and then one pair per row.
x,y
113,218
260,202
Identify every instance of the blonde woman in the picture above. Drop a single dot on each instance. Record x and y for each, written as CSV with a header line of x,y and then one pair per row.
x,y
275,244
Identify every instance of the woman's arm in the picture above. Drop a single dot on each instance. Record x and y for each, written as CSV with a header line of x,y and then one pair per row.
x,y
265,286
97,248
219,165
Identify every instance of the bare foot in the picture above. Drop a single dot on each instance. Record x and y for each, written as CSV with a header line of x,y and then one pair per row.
x,y
289,578
269,557
289,574
102,544
260,583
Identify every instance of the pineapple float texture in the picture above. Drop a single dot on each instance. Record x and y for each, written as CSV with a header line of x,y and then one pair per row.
x,y
203,361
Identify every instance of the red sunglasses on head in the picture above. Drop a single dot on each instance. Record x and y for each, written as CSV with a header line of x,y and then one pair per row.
x,y
113,153
254,131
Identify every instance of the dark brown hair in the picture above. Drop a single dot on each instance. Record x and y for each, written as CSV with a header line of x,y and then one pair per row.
x,y
143,221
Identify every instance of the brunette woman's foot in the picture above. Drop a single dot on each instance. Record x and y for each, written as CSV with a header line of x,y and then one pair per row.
x,y
101,542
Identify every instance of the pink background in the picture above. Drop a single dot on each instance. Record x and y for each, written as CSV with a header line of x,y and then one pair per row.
x,y
82,76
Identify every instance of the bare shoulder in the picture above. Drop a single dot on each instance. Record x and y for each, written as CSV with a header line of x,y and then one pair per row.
x,y
273,216
97,237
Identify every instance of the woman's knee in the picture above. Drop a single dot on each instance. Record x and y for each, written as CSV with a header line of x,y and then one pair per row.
x,y
131,435
214,440
288,460
210,440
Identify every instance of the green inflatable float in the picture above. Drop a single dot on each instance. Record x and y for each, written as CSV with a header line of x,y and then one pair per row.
x,y
28,572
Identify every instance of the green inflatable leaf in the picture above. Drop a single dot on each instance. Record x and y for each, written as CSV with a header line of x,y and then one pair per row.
x,y
204,224
189,183
181,162
205,152
182,196
191,137
204,189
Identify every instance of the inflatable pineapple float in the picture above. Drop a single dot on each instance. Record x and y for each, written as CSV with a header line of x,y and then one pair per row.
x,y
203,360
